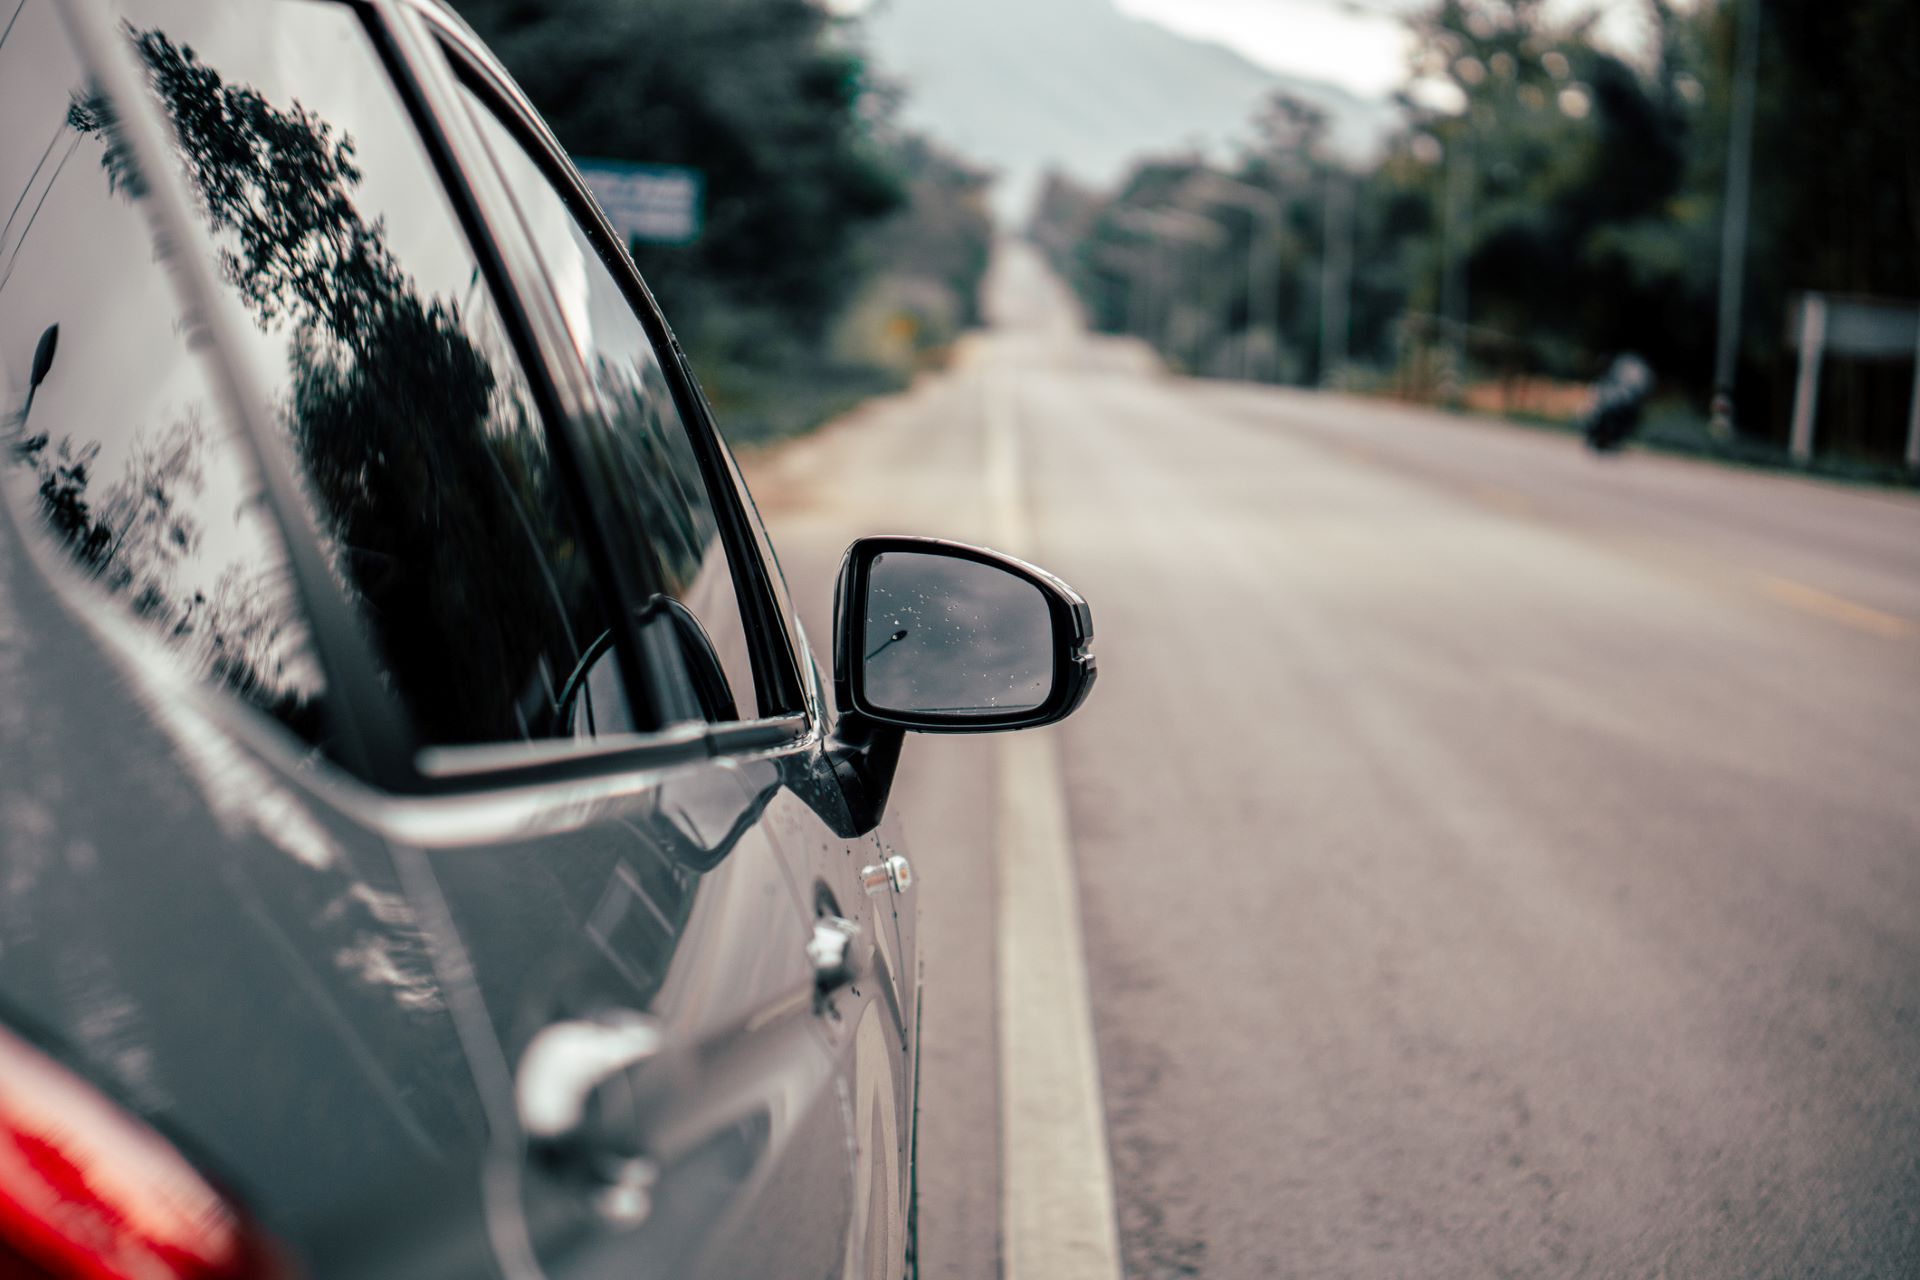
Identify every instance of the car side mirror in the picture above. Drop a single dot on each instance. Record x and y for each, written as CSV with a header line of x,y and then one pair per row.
x,y
947,638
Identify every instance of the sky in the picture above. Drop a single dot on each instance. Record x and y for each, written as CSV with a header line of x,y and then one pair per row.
x,y
1360,45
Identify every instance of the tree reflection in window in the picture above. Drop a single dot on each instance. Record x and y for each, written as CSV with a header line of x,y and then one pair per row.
x,y
135,540
663,531
118,456
427,468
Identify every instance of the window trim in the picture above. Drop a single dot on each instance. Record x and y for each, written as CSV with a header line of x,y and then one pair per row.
x,y
497,766
776,667
379,745
371,729
542,347
409,34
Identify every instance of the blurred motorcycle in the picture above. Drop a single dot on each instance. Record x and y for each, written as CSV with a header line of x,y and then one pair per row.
x,y
1613,412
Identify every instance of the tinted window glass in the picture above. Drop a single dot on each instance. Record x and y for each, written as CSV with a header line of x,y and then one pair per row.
x,y
776,576
669,538
394,378
121,453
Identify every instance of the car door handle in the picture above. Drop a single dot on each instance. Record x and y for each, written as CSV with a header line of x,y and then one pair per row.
x,y
577,1114
831,952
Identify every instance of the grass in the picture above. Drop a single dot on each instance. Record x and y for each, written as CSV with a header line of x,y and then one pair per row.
x,y
1675,428
757,405
1669,426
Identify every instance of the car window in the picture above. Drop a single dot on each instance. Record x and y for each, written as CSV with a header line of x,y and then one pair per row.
x,y
788,620
115,447
668,534
394,376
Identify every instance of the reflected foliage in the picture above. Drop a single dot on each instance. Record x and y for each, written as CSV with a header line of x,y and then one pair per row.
x,y
665,487
128,502
662,531
421,457
136,538
92,113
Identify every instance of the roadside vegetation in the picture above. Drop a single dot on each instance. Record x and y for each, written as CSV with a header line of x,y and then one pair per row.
x,y
839,252
1543,205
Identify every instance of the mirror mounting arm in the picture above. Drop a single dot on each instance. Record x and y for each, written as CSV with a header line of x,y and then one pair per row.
x,y
864,755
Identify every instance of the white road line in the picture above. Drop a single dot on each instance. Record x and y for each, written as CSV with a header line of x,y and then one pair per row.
x,y
1056,1214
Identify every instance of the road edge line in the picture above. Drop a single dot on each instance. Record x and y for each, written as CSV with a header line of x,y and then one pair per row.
x,y
1056,1180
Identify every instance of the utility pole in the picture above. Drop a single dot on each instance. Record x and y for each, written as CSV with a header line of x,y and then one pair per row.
x,y
1733,227
1336,278
1453,282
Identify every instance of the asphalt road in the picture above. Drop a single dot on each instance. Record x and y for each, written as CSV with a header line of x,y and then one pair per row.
x,y
1494,860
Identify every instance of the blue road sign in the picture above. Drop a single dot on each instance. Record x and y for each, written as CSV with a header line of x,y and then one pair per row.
x,y
655,203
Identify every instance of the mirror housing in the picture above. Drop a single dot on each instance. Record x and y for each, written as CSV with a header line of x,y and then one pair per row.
x,y
966,640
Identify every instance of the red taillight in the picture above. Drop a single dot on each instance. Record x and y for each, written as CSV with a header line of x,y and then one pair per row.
x,y
87,1192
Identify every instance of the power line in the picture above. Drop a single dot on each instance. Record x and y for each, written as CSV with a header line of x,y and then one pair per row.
x,y
21,243
10,21
32,178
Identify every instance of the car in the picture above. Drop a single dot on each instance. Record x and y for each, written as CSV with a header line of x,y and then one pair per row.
x,y
428,844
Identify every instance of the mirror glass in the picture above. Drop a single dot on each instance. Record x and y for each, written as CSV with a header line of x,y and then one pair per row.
x,y
954,637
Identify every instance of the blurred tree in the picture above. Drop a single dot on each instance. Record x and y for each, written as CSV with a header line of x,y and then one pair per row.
x,y
1836,195
1596,184
1570,156
758,95
943,233
1063,215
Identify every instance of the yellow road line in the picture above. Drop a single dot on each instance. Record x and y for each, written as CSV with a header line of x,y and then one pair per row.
x,y
1815,601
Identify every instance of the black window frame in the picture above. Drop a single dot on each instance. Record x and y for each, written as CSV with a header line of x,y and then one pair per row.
x,y
382,746
418,767
779,689
332,732
405,31
367,726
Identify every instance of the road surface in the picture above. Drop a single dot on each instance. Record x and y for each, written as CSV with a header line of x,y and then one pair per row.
x,y
1494,860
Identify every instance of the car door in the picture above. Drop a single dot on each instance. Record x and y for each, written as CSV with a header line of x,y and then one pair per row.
x,y
589,875
652,421
192,921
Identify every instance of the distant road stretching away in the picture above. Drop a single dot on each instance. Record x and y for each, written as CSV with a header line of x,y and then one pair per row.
x,y
1494,860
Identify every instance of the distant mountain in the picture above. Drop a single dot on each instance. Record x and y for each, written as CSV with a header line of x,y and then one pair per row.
x,y
1027,84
